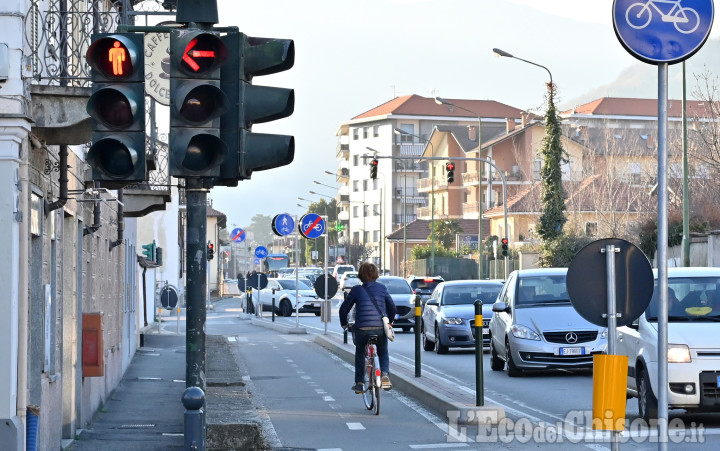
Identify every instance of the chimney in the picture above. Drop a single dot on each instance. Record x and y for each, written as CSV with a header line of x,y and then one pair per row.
x,y
510,124
472,132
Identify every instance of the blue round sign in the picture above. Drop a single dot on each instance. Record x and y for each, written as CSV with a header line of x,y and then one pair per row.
x,y
283,224
311,226
261,252
662,31
237,235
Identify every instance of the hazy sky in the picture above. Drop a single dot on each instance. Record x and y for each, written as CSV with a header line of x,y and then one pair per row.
x,y
351,56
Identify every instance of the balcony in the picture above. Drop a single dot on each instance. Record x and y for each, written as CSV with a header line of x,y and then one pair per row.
x,y
398,219
408,149
424,212
409,167
342,151
425,185
410,192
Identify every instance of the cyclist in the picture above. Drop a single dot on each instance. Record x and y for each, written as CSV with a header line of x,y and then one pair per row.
x,y
368,321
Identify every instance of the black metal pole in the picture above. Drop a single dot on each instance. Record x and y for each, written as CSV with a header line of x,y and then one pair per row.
x,y
416,328
479,388
195,285
273,305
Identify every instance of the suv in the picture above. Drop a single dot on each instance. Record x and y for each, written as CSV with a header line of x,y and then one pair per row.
x,y
425,285
693,346
340,269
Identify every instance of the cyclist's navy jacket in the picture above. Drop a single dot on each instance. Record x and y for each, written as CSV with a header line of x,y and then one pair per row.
x,y
366,315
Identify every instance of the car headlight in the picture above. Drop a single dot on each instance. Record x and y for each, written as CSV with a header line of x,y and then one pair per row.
x,y
678,354
520,331
604,333
451,320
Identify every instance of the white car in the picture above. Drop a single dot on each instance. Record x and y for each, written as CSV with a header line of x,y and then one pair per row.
x,y
693,345
349,280
307,300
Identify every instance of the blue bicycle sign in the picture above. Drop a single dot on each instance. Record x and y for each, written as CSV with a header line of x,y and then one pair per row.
x,y
311,226
662,31
261,252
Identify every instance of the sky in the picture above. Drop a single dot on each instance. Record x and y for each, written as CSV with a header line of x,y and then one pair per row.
x,y
351,56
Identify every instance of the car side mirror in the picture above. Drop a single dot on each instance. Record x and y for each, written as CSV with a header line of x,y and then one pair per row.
x,y
431,302
500,307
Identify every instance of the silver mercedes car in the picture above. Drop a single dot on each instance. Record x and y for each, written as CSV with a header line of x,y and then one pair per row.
x,y
534,326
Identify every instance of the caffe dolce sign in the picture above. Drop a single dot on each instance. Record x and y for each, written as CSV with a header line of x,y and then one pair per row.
x,y
157,67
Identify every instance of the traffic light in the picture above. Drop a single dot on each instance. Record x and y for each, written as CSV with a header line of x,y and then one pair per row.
x,y
251,104
196,103
339,227
210,251
117,108
149,251
450,168
504,247
373,168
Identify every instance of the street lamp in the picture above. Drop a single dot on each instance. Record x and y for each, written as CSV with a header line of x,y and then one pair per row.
x,y
399,131
502,53
441,101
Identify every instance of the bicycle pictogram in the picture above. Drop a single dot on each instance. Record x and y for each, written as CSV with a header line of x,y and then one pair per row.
x,y
685,19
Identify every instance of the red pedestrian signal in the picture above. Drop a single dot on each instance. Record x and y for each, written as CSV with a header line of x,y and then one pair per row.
x,y
450,168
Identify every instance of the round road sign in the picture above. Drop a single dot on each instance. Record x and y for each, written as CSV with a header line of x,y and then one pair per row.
x,y
311,226
659,31
168,297
237,235
587,282
261,252
319,286
283,224
258,281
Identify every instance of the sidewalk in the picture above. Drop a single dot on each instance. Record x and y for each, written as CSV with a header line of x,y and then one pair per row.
x,y
145,411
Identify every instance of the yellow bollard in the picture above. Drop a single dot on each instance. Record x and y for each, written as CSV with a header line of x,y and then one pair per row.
x,y
609,390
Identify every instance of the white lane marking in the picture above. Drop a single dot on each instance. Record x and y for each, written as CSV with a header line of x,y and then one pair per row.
x,y
306,377
170,434
596,447
439,445
355,426
329,449
328,398
425,413
289,360
232,339
320,391
143,378
241,339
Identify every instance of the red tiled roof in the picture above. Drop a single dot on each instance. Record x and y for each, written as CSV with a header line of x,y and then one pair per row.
x,y
624,106
415,105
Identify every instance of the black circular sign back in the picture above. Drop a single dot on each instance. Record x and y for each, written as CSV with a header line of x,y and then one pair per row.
x,y
258,281
168,297
587,282
319,286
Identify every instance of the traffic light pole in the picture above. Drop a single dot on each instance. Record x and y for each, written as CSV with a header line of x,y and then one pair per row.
x,y
196,235
504,184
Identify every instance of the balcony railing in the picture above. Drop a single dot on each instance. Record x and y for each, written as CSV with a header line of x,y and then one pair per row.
x,y
409,149
410,192
398,219
342,151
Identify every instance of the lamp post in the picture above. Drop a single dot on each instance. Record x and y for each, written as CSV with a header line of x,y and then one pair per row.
x,y
505,54
399,131
441,101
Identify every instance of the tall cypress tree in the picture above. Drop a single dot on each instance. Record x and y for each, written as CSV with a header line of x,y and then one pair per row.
x,y
552,217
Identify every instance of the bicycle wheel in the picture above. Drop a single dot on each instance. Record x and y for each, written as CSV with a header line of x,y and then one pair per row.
x,y
377,384
368,396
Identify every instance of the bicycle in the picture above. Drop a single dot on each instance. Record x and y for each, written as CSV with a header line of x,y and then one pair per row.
x,y
685,20
372,379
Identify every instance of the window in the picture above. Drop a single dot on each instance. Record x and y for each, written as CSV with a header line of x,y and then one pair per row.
x,y
410,130
356,160
566,169
376,210
365,185
365,132
356,185
376,131
356,237
356,211
591,228
375,184
634,173
376,236
537,166
355,134
366,210
366,236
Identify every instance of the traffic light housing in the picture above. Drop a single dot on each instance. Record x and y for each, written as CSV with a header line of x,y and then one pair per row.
x,y
373,168
504,247
251,104
117,109
210,251
450,169
149,251
197,103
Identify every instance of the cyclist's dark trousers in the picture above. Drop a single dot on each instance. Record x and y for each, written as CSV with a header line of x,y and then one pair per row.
x,y
361,336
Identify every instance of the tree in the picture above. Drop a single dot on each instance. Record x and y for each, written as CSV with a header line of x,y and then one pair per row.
x,y
445,232
261,229
552,217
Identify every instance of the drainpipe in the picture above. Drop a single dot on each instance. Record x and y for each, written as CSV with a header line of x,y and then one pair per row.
x,y
96,216
120,221
23,283
63,196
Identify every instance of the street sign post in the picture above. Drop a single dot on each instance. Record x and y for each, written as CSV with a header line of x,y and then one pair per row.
x,y
311,226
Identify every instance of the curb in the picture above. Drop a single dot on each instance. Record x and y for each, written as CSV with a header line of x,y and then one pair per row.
x,y
271,325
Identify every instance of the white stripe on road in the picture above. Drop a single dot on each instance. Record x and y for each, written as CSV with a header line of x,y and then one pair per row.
x,y
355,426
439,445
328,398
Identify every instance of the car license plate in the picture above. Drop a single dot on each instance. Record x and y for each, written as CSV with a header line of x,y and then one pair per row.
x,y
486,330
572,351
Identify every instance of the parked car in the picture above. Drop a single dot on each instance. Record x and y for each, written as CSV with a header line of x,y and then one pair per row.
x,y
534,326
404,300
693,344
448,319
285,300
348,280
339,270
424,285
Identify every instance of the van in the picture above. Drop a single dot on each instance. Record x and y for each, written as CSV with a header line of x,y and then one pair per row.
x,y
339,270
693,353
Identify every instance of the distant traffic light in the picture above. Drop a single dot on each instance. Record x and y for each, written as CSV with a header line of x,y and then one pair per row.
x,y
504,247
450,168
210,251
117,108
251,104
373,168
196,103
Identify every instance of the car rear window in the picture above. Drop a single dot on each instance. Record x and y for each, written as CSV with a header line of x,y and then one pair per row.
x,y
425,285
396,286
467,295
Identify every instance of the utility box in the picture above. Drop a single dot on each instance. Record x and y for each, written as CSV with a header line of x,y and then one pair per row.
x,y
92,345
